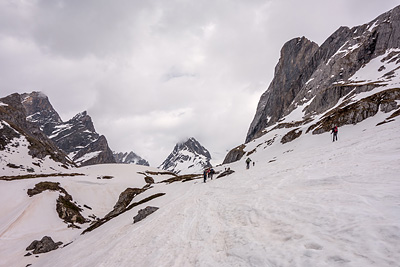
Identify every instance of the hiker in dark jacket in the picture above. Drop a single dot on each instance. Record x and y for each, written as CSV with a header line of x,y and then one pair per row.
x,y
334,132
205,175
248,160
211,173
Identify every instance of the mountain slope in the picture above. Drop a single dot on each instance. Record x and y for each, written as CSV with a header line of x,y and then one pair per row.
x,y
317,77
79,139
24,148
187,157
309,202
76,137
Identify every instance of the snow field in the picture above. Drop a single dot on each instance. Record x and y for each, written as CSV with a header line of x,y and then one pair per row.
x,y
319,203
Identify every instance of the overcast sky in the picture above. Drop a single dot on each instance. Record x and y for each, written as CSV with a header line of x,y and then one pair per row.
x,y
151,73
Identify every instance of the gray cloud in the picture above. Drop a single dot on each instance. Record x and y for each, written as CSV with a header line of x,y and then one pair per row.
x,y
153,72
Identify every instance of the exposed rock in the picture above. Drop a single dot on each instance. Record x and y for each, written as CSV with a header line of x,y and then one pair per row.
x,y
290,136
109,217
143,213
181,178
40,111
321,76
289,77
124,199
46,244
14,124
66,209
76,137
357,112
235,154
149,180
226,173
43,186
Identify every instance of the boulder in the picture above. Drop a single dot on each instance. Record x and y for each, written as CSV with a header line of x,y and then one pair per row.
x,y
143,213
45,245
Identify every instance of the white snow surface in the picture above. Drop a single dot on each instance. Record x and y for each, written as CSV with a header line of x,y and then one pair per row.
x,y
309,202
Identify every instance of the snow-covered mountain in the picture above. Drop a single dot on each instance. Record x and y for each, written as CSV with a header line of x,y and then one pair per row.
x,y
130,158
187,157
351,64
24,148
351,77
76,137
307,201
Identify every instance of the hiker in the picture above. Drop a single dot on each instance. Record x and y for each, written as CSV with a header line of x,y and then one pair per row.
x,y
248,160
334,132
205,175
211,173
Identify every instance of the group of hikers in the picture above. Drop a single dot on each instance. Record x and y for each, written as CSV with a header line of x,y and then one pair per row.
x,y
208,173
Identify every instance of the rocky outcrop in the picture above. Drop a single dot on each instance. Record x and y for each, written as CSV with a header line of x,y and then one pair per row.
x,y
124,200
66,209
288,80
44,245
234,154
40,111
143,213
149,180
187,157
13,124
353,113
76,137
318,77
225,173
290,136
130,158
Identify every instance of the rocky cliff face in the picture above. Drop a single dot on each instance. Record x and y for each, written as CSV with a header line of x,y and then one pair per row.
x,y
316,78
130,158
40,111
23,146
187,157
79,139
76,137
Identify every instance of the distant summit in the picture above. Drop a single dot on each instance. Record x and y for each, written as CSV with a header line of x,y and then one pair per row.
x,y
187,157
76,137
130,158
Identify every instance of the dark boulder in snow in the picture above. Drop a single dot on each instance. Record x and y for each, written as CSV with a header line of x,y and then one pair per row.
x,y
149,180
226,173
143,213
124,200
45,245
290,136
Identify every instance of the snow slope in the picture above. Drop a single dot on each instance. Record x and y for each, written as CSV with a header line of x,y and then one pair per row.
x,y
309,202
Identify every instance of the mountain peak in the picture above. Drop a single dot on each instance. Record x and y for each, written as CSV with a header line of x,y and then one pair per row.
x,y
187,157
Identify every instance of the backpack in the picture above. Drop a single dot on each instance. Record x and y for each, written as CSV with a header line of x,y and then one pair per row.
x,y
335,129
248,160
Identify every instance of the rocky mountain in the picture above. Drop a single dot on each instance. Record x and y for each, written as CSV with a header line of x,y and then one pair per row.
x,y
130,158
24,148
187,157
352,76
76,137
316,78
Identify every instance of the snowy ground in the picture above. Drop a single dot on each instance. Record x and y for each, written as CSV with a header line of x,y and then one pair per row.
x,y
310,202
